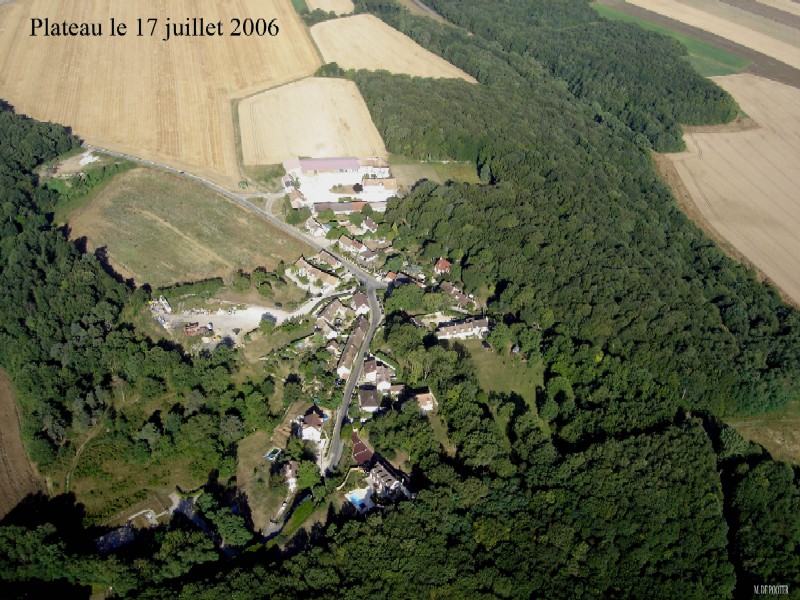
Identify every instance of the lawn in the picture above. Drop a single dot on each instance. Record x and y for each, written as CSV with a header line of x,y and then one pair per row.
x,y
505,374
707,59
778,432
161,229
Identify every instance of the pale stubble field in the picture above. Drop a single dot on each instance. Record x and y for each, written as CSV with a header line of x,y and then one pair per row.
x,y
746,184
313,117
169,102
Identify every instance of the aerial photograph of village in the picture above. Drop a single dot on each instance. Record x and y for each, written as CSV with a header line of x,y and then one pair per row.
x,y
453,299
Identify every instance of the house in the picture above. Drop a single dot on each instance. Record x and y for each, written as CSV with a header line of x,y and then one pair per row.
x,y
462,330
383,377
296,198
326,281
385,480
335,311
329,259
351,348
290,472
427,401
312,426
370,225
360,303
460,297
368,255
326,330
316,228
442,266
350,245
397,389
334,348
361,452
369,400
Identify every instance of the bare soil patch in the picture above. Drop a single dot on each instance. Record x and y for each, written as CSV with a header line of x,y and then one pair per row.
x,y
169,102
365,42
766,41
319,117
18,478
161,229
340,7
768,11
744,184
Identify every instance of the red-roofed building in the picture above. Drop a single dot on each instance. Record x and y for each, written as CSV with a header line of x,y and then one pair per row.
x,y
442,266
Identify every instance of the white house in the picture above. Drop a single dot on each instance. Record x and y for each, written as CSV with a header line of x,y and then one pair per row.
x,y
462,330
312,427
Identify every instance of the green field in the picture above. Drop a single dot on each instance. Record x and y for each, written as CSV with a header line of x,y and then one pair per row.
x,y
161,229
409,171
300,6
778,432
504,374
707,59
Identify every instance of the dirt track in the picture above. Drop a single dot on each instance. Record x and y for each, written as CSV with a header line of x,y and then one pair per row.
x,y
17,476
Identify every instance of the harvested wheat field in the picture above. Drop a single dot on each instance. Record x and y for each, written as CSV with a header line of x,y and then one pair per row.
x,y
366,42
160,229
746,184
166,101
789,6
313,117
772,39
17,476
340,7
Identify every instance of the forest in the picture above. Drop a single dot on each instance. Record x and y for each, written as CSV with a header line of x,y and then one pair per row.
x,y
620,481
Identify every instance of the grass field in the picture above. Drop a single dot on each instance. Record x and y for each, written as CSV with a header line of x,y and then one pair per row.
x,y
17,476
300,5
504,374
753,32
408,172
167,101
778,432
365,42
745,183
320,117
706,58
161,229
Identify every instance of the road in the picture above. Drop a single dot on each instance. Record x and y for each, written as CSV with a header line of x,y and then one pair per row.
x,y
334,449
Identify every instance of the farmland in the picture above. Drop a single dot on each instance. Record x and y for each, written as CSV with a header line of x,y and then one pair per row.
x,y
761,35
366,42
160,229
340,7
169,102
280,123
744,183
17,476
708,59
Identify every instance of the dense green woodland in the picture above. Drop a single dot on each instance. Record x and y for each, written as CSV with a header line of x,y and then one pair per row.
x,y
620,482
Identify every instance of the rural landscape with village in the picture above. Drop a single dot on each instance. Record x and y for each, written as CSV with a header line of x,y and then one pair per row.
x,y
400,299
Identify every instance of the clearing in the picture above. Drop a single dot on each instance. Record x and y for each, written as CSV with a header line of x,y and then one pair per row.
x,y
744,183
408,171
318,117
708,59
505,374
778,432
340,7
18,478
162,229
366,42
169,102
749,30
